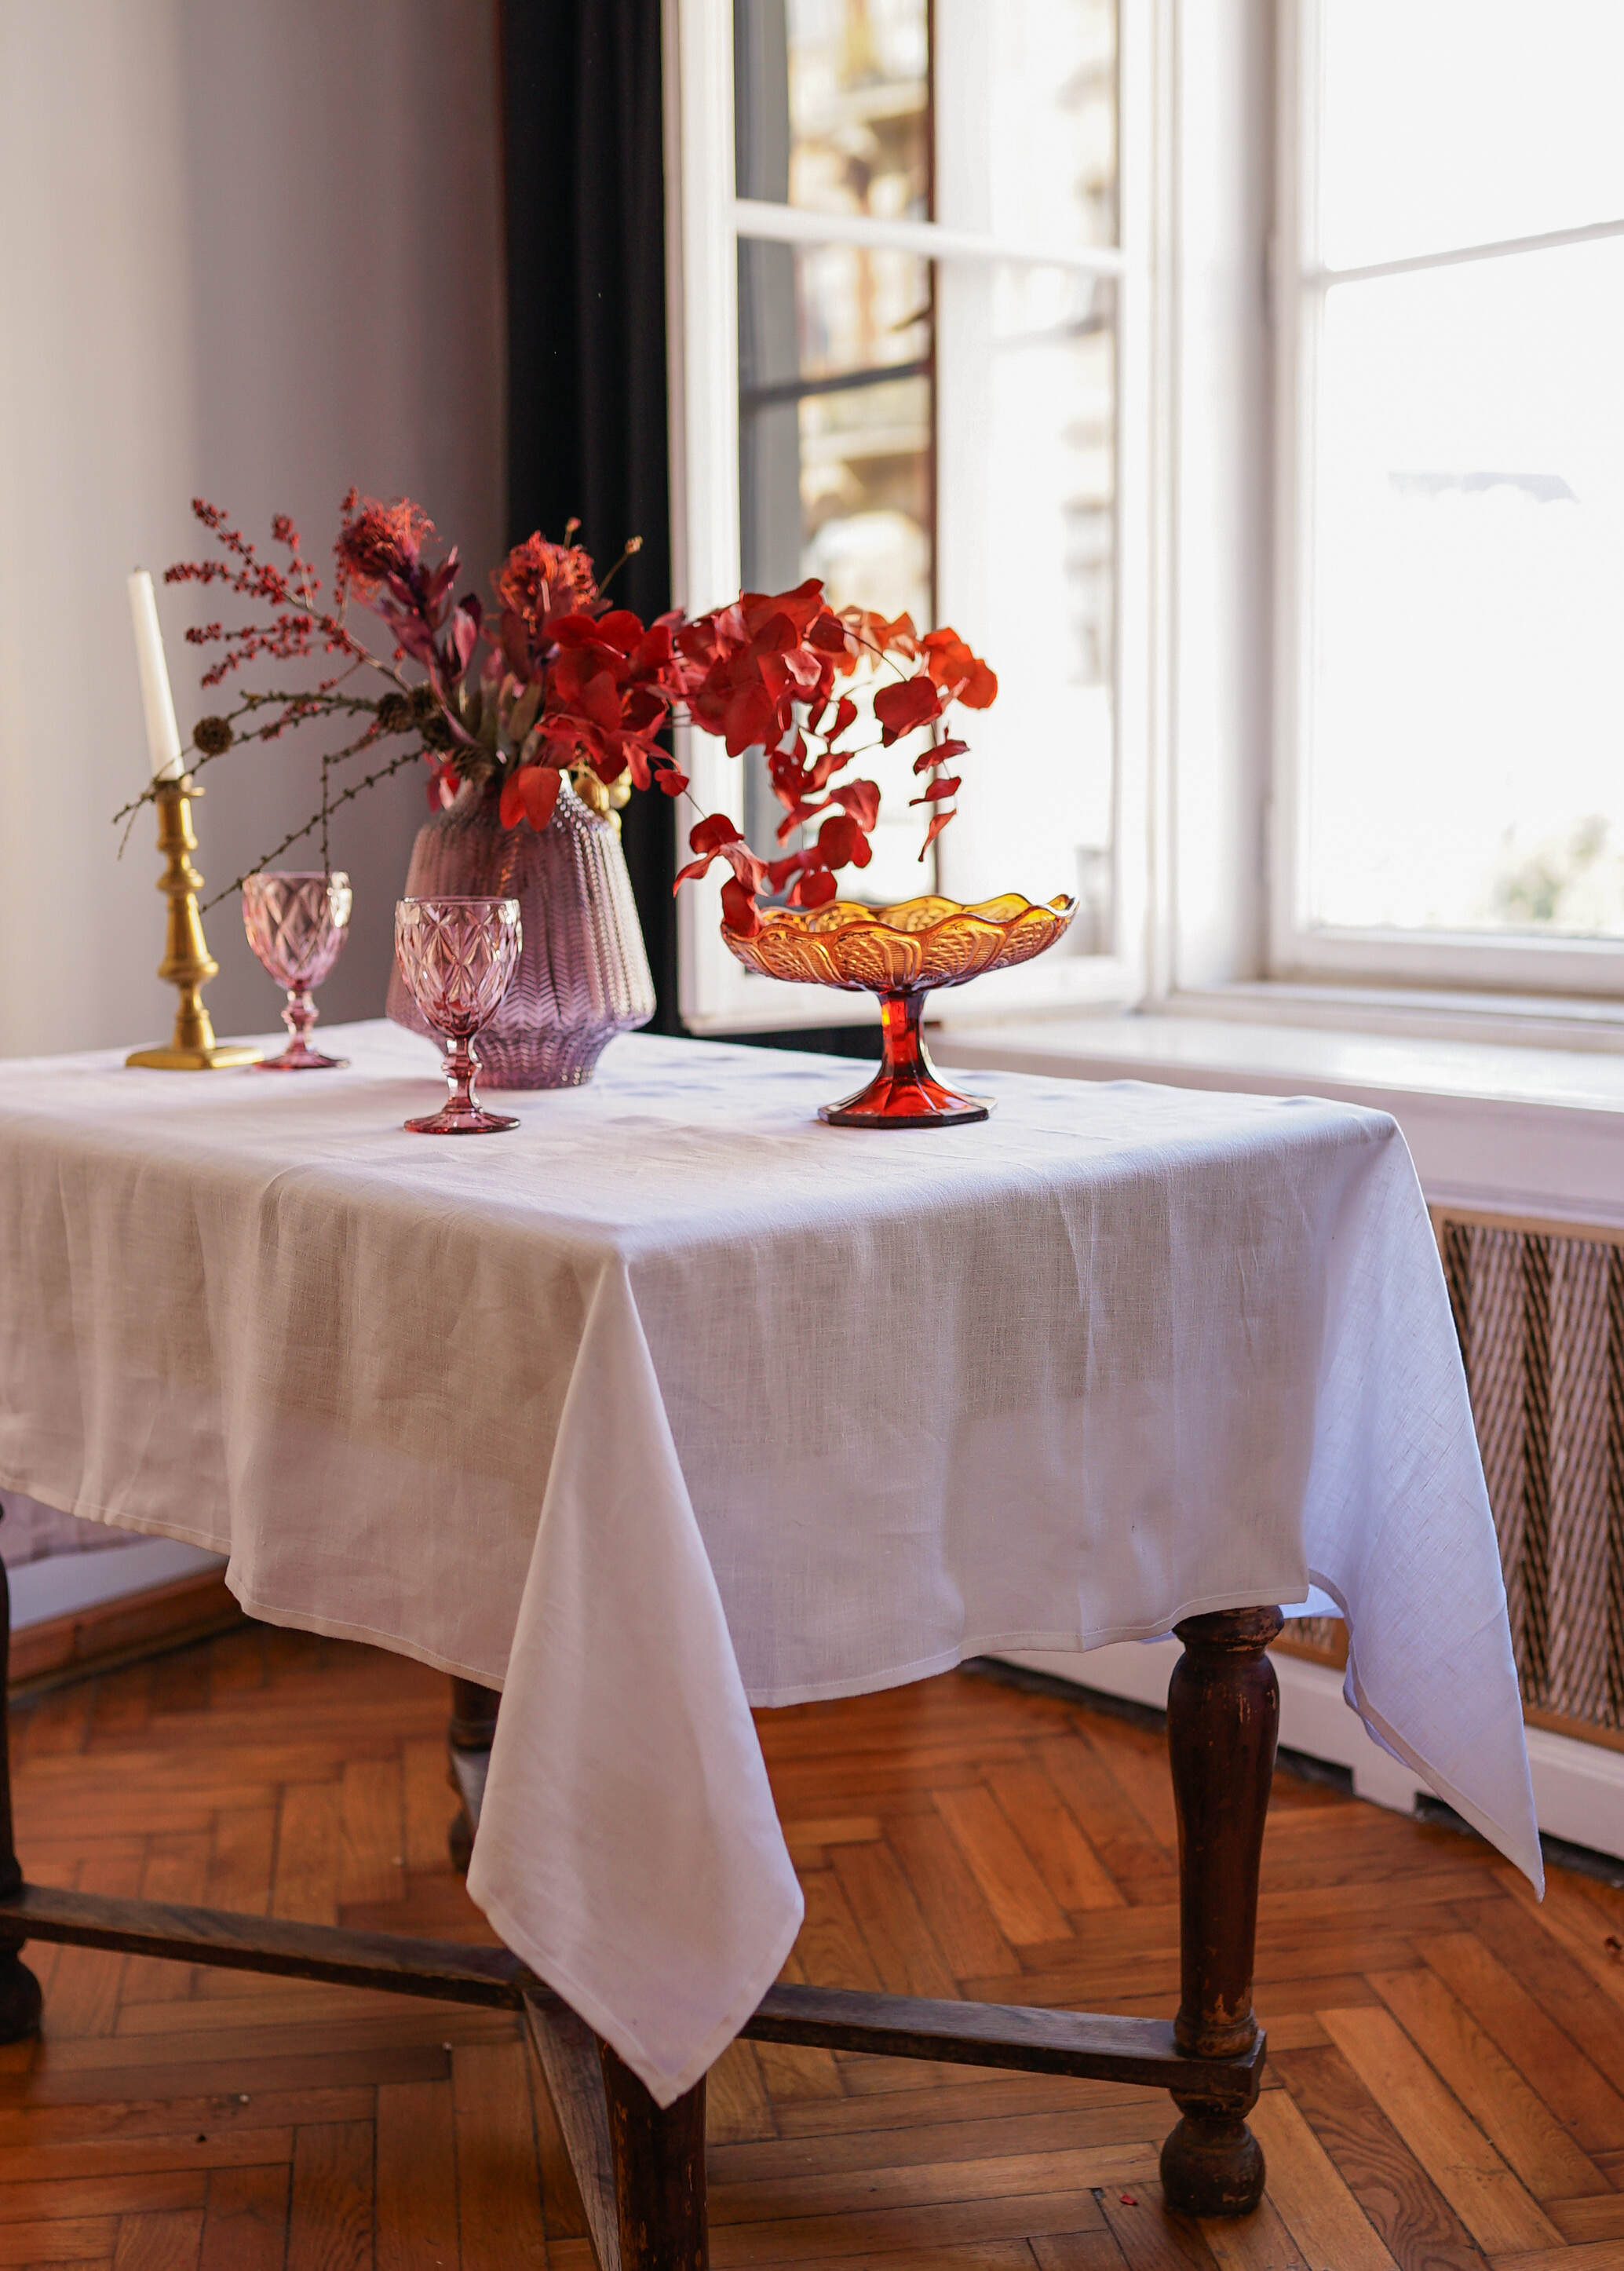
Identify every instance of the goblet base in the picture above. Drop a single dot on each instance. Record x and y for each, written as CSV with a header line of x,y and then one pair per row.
x,y
891,1102
461,1120
299,1056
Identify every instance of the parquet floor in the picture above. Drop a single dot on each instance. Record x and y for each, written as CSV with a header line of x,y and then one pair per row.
x,y
1447,2062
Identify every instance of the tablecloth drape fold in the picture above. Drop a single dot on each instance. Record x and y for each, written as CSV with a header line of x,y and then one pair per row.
x,y
662,1924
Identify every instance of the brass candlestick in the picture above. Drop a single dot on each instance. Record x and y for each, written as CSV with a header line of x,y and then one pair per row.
x,y
187,963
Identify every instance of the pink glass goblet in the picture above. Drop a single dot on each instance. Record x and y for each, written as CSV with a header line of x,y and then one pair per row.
x,y
457,957
297,925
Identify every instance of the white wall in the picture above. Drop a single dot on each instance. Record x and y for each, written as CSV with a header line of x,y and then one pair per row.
x,y
250,248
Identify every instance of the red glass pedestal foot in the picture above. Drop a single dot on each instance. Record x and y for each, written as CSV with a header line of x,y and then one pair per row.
x,y
906,1091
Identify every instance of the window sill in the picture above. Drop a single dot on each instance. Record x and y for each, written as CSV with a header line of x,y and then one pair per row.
x,y
1493,1124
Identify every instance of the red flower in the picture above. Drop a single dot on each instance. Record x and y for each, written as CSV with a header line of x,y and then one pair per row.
x,y
539,581
381,541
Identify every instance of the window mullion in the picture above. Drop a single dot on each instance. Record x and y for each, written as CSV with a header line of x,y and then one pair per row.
x,y
1461,256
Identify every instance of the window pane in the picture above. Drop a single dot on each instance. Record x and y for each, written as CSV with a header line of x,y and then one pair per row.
x,y
1468,576
1464,121
883,416
1026,572
832,105
1025,120
835,446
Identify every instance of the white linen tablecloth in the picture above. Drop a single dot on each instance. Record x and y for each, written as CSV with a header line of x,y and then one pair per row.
x,y
674,1401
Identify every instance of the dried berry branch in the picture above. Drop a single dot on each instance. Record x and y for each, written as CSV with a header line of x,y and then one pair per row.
x,y
297,835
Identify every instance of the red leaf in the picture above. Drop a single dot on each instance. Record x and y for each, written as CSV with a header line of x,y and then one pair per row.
x,y
947,786
530,794
671,781
905,703
654,648
861,800
938,753
744,864
709,834
739,909
938,822
619,628
815,889
748,720
575,631
979,690
803,605
642,708
827,634
962,674
838,840
797,817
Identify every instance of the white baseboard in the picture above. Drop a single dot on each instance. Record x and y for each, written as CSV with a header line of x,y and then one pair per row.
x,y
66,1584
1578,1786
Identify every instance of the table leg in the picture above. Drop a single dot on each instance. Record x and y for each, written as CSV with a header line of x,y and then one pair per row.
x,y
659,2154
469,1736
20,1999
1223,1715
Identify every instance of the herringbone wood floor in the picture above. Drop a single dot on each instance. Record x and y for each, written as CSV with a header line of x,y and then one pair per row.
x,y
1447,2062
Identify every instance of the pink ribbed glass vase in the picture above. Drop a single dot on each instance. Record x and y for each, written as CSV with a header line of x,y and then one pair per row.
x,y
583,974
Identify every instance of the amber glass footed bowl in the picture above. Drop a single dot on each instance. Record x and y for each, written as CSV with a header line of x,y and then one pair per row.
x,y
902,954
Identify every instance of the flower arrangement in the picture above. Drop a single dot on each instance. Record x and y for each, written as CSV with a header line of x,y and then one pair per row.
x,y
555,681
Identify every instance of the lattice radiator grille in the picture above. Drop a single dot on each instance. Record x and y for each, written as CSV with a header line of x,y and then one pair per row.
x,y
1541,1322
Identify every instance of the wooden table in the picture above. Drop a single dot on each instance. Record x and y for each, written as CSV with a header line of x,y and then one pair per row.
x,y
640,2167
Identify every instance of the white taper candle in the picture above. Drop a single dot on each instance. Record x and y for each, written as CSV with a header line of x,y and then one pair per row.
x,y
163,735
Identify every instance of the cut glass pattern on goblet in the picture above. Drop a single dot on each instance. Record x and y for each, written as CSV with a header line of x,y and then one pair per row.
x,y
297,925
457,957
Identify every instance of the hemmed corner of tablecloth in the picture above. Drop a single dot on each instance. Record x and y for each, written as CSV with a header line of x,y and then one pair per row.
x,y
1520,1845
663,2085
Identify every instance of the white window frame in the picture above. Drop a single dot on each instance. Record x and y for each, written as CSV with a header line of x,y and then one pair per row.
x,y
1490,964
704,220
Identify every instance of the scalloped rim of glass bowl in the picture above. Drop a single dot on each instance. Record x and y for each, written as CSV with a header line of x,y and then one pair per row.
x,y
925,917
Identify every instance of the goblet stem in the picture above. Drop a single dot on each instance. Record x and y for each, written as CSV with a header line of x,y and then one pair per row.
x,y
461,1064
463,1114
300,1016
300,1019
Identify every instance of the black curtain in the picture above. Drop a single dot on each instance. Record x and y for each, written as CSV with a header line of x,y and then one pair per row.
x,y
583,136
586,335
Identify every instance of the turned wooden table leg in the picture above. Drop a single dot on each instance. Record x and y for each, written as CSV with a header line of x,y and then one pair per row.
x,y
1222,1717
20,1999
659,2154
468,1737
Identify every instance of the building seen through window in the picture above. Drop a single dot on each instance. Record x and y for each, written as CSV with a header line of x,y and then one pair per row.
x,y
937,435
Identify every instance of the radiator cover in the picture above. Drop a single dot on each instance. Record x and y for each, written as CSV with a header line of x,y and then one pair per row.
x,y
1539,1310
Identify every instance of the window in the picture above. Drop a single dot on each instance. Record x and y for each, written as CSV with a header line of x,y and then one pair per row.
x,y
1450,790
908,280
